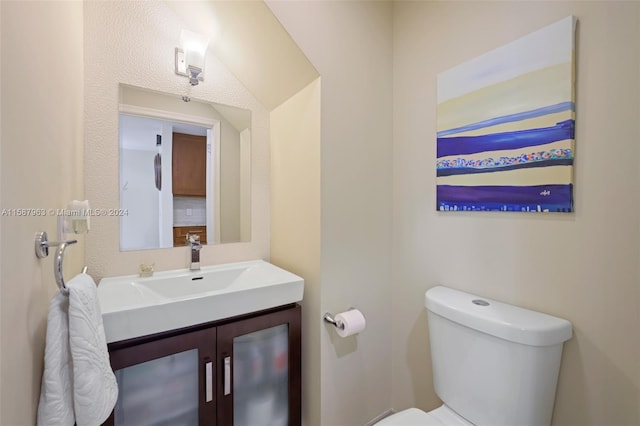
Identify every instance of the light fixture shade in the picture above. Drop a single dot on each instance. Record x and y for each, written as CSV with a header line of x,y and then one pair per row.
x,y
195,48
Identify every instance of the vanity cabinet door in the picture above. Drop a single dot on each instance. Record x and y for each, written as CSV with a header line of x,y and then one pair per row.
x,y
258,361
170,381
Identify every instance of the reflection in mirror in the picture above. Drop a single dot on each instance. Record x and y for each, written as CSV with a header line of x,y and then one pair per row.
x,y
184,168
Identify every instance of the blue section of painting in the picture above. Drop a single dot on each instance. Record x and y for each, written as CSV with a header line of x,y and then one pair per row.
x,y
504,141
484,195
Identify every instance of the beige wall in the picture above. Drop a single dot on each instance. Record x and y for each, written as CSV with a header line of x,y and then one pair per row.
x,y
1,204
581,266
295,222
133,43
349,43
41,127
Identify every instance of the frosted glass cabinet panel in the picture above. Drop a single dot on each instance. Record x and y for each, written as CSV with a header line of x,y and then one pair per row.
x,y
163,391
164,382
260,383
261,377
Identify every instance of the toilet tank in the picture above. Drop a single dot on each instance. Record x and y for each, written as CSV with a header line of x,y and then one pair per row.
x,y
494,363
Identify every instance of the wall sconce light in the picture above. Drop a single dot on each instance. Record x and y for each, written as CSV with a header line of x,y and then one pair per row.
x,y
190,57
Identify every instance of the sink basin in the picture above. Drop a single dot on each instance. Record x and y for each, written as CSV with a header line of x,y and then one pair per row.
x,y
191,284
133,306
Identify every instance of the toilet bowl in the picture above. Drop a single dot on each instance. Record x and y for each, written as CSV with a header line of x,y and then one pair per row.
x,y
494,364
441,416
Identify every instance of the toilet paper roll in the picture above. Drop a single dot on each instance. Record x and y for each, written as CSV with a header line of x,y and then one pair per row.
x,y
350,322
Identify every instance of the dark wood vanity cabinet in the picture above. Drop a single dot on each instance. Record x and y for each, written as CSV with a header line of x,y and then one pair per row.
x,y
241,371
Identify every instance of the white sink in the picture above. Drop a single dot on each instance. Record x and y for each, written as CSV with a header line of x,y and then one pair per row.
x,y
133,306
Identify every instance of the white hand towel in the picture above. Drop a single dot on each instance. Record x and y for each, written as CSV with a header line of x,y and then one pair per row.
x,y
95,390
56,393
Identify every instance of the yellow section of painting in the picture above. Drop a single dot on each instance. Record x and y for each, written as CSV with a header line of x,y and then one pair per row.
x,y
536,89
521,177
564,144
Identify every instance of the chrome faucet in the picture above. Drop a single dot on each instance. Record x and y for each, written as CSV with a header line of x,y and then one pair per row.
x,y
193,241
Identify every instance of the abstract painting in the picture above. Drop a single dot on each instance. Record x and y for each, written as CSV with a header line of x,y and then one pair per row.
x,y
505,126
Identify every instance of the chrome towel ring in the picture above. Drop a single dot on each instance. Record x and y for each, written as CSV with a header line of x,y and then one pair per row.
x,y
42,245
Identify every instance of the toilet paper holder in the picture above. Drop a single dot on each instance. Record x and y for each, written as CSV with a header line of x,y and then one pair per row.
x,y
330,318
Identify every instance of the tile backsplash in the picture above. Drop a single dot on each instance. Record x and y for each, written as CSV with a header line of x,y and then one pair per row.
x,y
189,211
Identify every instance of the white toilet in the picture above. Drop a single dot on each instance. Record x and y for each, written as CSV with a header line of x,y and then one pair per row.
x,y
493,364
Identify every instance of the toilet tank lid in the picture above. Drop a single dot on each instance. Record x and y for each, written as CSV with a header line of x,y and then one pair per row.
x,y
496,318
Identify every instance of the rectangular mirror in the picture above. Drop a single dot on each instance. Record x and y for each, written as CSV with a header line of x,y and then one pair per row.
x,y
185,167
